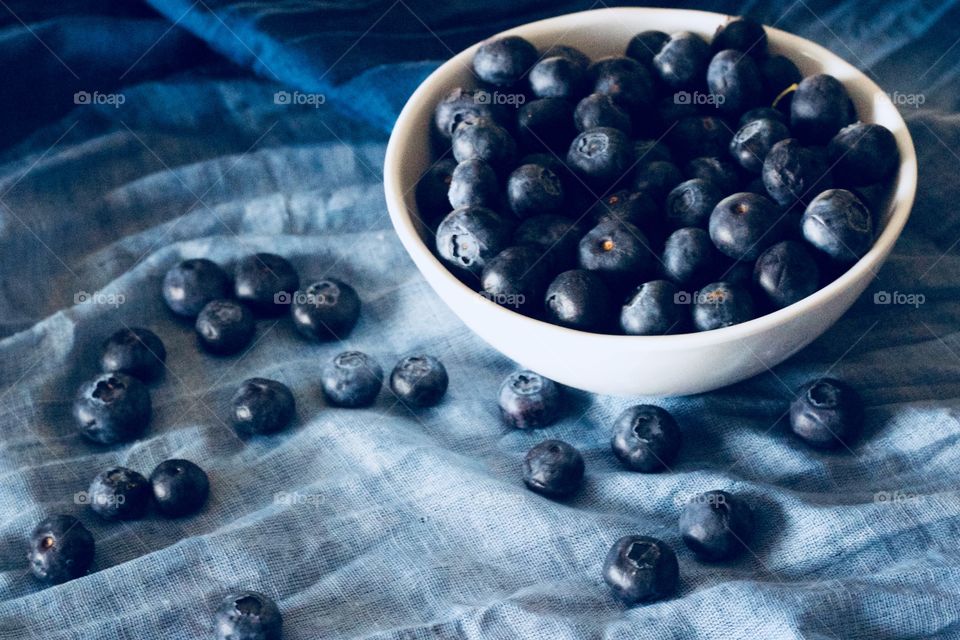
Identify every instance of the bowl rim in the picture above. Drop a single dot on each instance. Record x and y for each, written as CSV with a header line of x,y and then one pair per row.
x,y
901,198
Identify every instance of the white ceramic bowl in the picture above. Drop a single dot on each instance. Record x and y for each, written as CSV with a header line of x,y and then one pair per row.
x,y
643,365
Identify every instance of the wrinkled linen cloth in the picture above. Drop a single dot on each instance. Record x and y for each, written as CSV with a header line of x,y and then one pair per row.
x,y
383,522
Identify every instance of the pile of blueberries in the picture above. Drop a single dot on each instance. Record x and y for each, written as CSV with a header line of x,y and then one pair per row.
x,y
715,525
115,406
686,185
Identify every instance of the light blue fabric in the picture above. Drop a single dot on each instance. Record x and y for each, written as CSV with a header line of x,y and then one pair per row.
x,y
385,523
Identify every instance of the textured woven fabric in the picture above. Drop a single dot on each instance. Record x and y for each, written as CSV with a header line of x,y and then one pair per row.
x,y
387,523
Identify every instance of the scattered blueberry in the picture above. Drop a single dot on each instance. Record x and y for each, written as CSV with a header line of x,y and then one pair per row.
x,y
751,144
646,438
635,207
682,61
795,173
468,238
225,326
191,284
327,309
180,488
689,257
624,79
827,413
691,202
352,379
651,150
546,124
744,224
553,468
579,299
570,53
517,279
265,282
618,251
778,73
556,237
657,179
473,184
111,408
248,615
534,190
652,310
862,154
504,61
135,351
432,191
61,549
721,304
558,77
119,493
722,173
716,525
599,110
601,156
645,45
529,401
786,273
641,569
745,35
734,81
419,381
837,223
762,113
700,136
463,105
261,406
820,108
485,140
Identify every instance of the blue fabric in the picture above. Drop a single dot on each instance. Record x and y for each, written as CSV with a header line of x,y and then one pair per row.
x,y
383,523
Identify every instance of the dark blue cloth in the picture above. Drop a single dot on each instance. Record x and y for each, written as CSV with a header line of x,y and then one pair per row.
x,y
382,523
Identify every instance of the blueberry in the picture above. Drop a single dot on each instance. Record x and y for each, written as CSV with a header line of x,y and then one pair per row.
x,y
485,140
762,113
504,61
786,273
651,150
248,615
529,401
111,408
419,381
558,77
352,379
744,224
191,284
469,237
646,44
778,73
652,310
716,525
670,110
689,257
751,144
601,156
534,190
265,282
691,202
119,493
599,110
618,251
698,136
625,80
180,488
261,406
745,35
135,351
464,105
635,207
61,549
579,299
432,190
555,237
820,108
570,53
734,81
682,61
657,179
721,304
327,309
554,469
827,413
225,327
641,569
722,173
795,173
517,279
837,223
862,154
473,184
546,123
545,160
646,438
